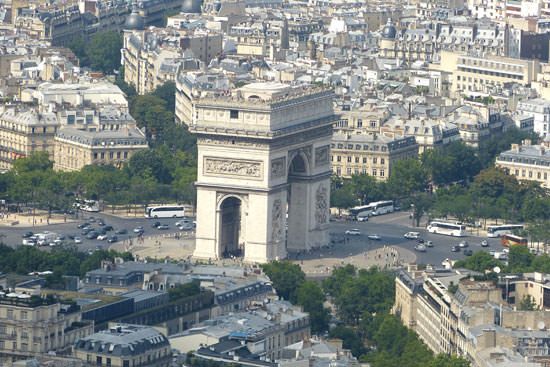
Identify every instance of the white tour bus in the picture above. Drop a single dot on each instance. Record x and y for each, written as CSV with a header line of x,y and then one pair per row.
x,y
361,213
381,207
449,229
497,231
165,211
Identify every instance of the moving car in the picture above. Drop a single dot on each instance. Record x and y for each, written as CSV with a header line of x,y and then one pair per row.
x,y
374,237
77,240
484,243
112,239
353,232
429,244
138,229
82,225
92,235
102,237
163,226
412,235
155,225
420,248
107,228
455,249
27,234
463,244
121,231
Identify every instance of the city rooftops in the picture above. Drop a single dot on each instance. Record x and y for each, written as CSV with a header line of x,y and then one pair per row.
x,y
107,138
123,340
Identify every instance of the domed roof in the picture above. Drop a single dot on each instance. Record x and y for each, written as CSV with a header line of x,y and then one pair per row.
x,y
191,6
389,30
134,21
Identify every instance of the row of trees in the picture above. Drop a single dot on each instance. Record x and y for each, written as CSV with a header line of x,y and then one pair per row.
x,y
101,53
464,190
60,260
362,300
520,260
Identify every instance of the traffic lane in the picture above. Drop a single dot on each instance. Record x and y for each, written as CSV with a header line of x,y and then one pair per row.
x,y
392,234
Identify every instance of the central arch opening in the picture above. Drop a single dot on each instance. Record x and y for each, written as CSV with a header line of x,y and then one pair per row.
x,y
231,225
296,221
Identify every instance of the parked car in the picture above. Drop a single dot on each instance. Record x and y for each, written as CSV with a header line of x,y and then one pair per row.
x,y
102,237
412,235
100,222
112,239
108,228
77,240
484,243
353,232
468,252
364,218
455,249
82,225
86,231
374,237
163,226
121,231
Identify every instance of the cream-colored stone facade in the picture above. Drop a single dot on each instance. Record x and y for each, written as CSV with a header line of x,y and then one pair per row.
x,y
371,154
263,152
25,132
31,326
481,73
75,149
527,162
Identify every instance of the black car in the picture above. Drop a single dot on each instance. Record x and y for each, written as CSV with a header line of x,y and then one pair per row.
x,y
420,240
108,228
468,252
92,235
102,231
82,225
71,236
112,239
27,234
155,225
455,249
100,222
121,231
86,231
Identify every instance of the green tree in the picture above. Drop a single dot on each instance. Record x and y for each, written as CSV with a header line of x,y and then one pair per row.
x,y
350,339
184,290
167,92
407,176
311,297
286,278
103,51
527,303
479,261
443,360
519,259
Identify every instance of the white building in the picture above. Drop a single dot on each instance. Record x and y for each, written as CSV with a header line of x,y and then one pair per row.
x,y
539,109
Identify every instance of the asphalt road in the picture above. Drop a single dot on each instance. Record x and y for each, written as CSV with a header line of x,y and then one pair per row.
x,y
390,228
13,236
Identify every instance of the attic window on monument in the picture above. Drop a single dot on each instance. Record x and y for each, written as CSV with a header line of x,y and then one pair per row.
x,y
234,114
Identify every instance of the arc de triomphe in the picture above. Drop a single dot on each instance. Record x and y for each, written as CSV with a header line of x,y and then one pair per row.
x,y
263,185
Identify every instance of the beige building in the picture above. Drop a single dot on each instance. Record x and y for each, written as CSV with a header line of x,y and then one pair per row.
x,y
527,162
479,74
154,56
124,345
25,132
32,325
454,314
370,154
429,133
75,148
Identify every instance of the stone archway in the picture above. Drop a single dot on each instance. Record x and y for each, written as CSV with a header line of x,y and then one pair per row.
x,y
297,203
231,227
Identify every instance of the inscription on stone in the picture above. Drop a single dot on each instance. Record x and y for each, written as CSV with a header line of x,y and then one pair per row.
x,y
232,167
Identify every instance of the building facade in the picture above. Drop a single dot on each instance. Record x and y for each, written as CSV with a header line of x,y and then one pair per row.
x,y
527,162
371,154
32,325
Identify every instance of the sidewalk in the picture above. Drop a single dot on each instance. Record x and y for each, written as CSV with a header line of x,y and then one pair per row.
x,y
26,220
179,246
385,257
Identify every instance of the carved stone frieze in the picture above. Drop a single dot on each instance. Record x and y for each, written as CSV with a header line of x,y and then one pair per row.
x,y
278,167
321,205
233,167
322,155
